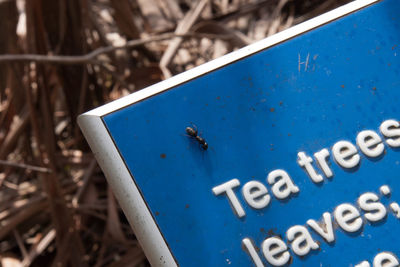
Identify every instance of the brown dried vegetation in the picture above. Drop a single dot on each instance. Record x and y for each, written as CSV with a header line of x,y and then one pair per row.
x,y
69,56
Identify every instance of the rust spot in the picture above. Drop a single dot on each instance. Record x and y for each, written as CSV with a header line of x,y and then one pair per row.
x,y
374,88
218,97
272,232
280,103
163,156
157,213
187,206
342,86
289,134
393,47
255,247
272,109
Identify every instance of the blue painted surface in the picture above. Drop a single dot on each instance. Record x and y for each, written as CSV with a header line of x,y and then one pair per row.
x,y
257,114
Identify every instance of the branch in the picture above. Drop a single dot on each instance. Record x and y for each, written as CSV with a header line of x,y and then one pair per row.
x,y
91,57
24,166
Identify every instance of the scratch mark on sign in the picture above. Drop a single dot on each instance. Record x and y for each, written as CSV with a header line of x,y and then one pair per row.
x,y
305,63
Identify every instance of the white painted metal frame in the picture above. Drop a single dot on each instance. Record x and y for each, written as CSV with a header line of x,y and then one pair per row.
x,y
113,166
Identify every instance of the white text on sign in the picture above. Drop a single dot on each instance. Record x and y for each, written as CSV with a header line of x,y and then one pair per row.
x,y
347,216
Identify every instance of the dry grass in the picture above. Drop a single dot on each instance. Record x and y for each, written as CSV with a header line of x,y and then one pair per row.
x,y
69,56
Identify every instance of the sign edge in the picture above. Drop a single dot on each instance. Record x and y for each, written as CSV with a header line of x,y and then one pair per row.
x,y
126,191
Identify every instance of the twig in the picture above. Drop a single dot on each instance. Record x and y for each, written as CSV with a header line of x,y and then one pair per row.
x,y
17,128
24,166
86,180
91,57
183,27
132,257
9,225
20,243
16,206
38,248
242,10
113,222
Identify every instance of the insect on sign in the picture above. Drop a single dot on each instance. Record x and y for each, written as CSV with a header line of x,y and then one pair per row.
x,y
192,132
283,153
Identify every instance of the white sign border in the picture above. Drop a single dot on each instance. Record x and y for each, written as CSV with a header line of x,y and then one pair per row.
x,y
114,167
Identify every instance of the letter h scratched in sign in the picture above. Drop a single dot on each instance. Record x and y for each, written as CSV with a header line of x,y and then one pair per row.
x,y
305,63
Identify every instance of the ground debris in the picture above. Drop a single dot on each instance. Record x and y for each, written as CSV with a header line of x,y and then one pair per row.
x,y
61,58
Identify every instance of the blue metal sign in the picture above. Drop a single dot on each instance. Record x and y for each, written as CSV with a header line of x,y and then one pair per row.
x,y
283,154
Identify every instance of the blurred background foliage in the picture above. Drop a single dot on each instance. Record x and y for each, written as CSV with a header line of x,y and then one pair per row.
x,y
59,58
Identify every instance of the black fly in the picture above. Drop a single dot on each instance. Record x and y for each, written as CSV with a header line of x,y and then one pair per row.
x,y
192,132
